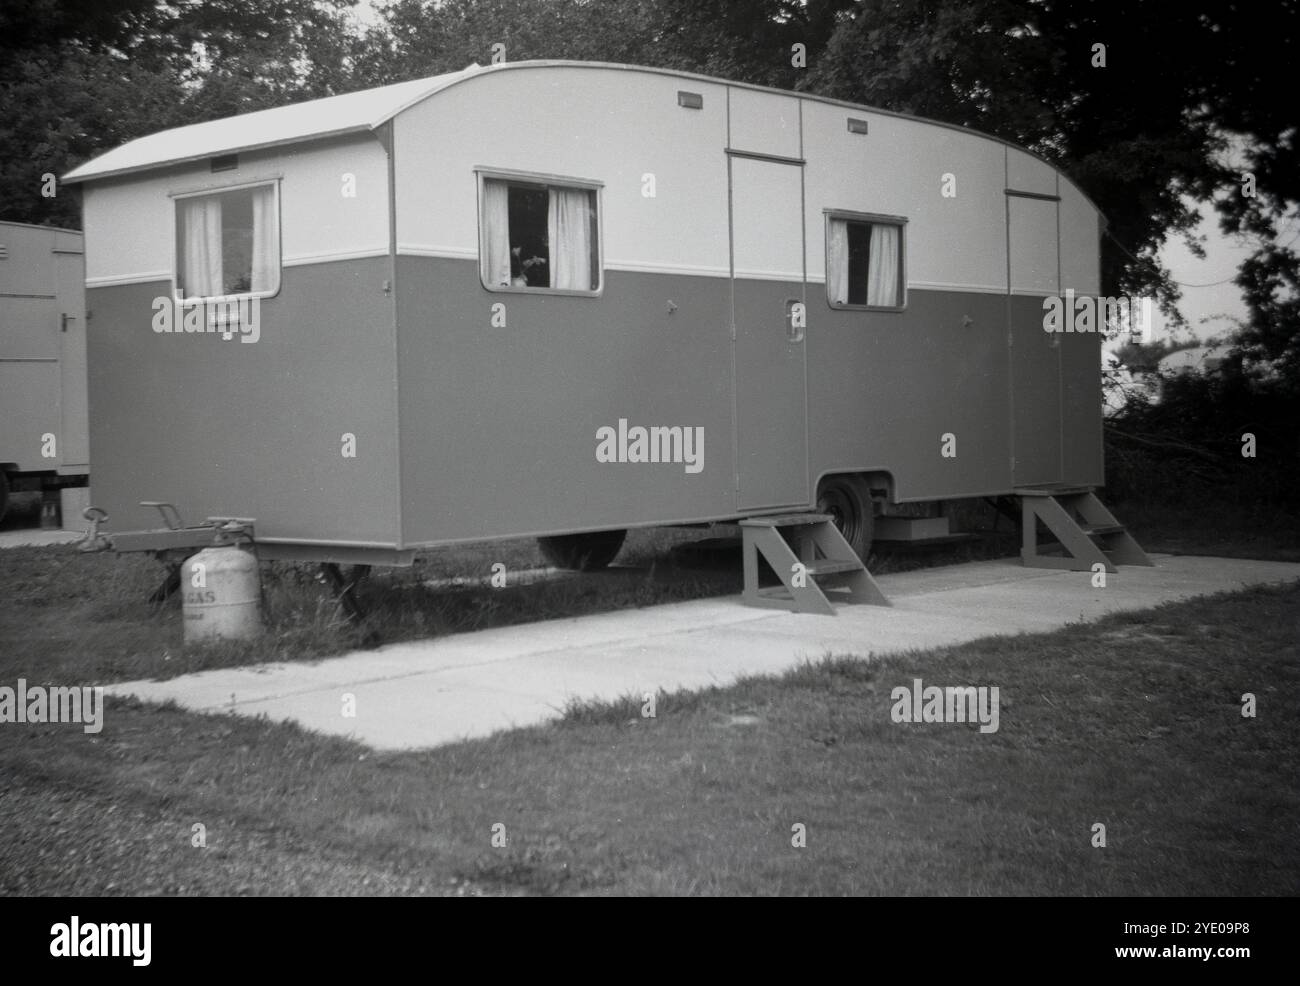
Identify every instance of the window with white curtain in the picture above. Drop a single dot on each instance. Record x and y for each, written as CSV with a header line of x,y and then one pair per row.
x,y
538,235
228,243
864,262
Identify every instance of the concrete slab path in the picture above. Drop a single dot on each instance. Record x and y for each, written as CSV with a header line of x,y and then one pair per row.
x,y
432,692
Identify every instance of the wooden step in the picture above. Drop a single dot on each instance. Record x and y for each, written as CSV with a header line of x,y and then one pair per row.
x,y
1083,530
1099,530
827,567
793,553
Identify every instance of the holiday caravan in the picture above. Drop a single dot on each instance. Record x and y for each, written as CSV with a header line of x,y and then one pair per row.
x,y
565,299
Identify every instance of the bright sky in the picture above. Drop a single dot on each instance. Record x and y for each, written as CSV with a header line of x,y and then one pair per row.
x,y
1208,291
366,11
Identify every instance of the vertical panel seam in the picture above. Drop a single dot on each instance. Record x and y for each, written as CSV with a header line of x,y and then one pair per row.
x,y
391,149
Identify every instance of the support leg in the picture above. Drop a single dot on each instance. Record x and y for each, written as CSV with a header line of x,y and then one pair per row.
x,y
169,585
344,591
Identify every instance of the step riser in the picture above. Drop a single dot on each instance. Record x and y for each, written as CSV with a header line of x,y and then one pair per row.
x,y
788,541
1085,532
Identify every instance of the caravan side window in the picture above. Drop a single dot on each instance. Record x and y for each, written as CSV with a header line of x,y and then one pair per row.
x,y
228,243
864,261
539,234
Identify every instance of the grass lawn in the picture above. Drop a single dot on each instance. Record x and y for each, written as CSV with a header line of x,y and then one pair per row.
x,y
1133,722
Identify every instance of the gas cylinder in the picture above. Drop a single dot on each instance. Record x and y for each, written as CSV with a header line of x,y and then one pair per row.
x,y
222,594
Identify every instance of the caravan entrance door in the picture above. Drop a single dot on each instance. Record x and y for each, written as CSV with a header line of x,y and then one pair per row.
x,y
1035,355
70,290
768,279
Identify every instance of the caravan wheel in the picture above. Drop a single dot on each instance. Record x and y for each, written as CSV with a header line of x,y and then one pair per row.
x,y
847,499
582,552
4,493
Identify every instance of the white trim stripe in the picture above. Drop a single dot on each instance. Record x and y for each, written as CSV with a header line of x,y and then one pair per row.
x,y
116,279
303,259
696,270
635,267
953,286
769,275
451,253
445,252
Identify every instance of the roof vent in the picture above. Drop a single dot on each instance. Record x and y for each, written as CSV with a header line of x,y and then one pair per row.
x,y
226,162
4,252
691,100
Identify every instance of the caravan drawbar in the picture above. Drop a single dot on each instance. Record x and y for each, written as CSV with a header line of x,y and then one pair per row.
x,y
565,299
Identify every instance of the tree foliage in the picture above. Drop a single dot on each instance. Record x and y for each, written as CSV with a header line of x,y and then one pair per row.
x,y
79,77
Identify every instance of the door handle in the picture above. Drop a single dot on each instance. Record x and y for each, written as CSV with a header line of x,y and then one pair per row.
x,y
796,319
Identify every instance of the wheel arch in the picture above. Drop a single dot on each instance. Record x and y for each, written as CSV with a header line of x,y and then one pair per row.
x,y
879,481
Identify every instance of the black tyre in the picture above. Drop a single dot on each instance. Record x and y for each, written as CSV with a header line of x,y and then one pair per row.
x,y
847,499
582,552
4,494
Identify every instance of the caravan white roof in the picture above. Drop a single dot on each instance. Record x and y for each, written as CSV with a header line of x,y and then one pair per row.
x,y
351,113
363,111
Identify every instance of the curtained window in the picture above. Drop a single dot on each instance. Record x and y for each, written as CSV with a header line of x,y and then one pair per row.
x,y
496,234
864,263
837,262
228,243
537,235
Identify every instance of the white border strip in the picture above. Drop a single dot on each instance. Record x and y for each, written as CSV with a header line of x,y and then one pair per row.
x,y
698,270
116,279
636,267
303,259
695,270
768,275
950,286
452,253
444,252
